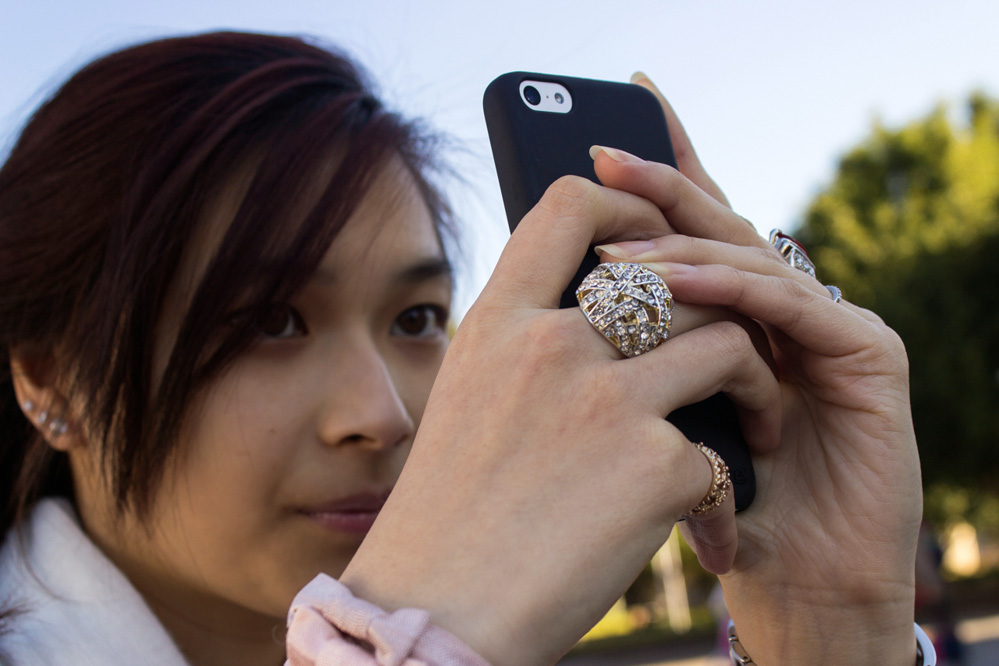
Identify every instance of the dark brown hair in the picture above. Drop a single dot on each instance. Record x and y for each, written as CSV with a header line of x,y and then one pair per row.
x,y
105,187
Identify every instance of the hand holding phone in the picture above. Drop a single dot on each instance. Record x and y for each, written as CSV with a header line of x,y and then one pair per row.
x,y
541,128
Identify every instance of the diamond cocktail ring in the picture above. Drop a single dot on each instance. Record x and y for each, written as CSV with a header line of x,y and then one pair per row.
x,y
629,304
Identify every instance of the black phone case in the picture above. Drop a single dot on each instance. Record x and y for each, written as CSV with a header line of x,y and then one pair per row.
x,y
533,149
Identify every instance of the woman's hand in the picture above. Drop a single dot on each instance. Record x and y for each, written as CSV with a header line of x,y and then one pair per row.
x,y
824,569
544,477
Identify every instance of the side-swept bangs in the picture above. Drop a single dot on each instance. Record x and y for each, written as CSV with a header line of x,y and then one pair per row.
x,y
167,126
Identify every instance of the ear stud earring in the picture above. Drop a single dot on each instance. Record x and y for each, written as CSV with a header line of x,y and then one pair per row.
x,y
57,426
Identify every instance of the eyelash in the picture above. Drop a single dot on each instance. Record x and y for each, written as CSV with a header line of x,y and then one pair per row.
x,y
437,319
293,325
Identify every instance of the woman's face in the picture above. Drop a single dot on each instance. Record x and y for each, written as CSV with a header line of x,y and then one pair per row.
x,y
288,456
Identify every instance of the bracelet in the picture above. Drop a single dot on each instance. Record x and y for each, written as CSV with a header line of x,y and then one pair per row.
x,y
735,650
926,654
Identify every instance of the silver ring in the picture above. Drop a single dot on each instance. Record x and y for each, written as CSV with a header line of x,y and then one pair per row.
x,y
629,304
792,251
835,292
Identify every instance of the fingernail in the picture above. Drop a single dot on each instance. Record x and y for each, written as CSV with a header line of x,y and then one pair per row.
x,y
613,153
644,78
627,249
665,269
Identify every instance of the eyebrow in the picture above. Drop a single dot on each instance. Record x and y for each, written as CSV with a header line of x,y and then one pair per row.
x,y
423,271
420,271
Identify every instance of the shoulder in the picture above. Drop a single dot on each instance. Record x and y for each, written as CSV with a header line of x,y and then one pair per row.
x,y
70,603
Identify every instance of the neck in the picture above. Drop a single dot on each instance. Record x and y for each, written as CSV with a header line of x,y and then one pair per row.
x,y
207,629
218,636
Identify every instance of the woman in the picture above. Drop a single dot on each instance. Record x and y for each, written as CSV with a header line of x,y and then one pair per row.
x,y
223,294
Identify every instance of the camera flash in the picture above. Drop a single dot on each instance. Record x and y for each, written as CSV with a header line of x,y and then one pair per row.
x,y
559,98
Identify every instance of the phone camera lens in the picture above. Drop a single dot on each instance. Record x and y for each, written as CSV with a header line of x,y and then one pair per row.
x,y
532,95
559,98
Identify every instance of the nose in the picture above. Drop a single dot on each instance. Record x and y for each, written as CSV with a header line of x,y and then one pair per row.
x,y
362,406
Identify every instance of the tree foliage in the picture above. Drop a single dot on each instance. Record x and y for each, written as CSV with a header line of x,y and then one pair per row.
x,y
909,228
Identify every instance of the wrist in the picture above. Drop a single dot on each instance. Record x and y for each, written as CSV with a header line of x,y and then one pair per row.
x,y
776,630
925,651
466,607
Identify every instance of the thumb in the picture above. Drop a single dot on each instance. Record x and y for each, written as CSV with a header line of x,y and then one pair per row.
x,y
713,537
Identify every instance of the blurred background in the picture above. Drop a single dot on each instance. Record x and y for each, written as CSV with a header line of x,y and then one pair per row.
x,y
870,130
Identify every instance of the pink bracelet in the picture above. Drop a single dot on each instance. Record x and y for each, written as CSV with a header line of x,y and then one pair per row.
x,y
327,624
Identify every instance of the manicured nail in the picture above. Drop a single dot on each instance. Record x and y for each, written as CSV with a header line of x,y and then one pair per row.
x,y
613,153
627,249
665,269
643,77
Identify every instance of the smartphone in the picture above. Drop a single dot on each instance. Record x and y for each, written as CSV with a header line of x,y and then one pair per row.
x,y
541,127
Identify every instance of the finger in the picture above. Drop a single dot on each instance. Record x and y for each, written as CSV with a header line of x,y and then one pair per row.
x,y
679,248
811,319
862,312
719,357
714,536
686,157
689,209
682,249
547,247
687,317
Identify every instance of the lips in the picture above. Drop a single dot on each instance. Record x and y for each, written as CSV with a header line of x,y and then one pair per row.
x,y
354,514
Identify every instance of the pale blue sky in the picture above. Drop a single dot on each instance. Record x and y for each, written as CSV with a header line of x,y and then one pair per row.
x,y
771,92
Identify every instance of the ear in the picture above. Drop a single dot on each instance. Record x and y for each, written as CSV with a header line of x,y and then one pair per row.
x,y
43,402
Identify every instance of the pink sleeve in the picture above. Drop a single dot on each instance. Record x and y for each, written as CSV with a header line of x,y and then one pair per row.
x,y
329,626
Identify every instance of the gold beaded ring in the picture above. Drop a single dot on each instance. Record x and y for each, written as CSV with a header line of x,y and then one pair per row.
x,y
721,482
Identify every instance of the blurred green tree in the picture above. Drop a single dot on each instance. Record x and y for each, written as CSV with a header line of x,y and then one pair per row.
x,y
909,228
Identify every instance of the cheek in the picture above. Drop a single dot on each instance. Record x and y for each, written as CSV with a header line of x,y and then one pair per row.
x,y
239,444
243,424
415,378
222,505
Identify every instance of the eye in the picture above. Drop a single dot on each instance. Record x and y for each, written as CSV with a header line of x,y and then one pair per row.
x,y
279,321
421,321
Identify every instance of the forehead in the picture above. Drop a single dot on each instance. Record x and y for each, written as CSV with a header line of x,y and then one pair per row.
x,y
391,223
392,219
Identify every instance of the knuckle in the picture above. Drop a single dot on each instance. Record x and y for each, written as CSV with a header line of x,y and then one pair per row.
x,y
603,395
670,187
548,337
677,245
615,379
895,343
891,356
768,254
731,340
794,288
791,290
570,197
